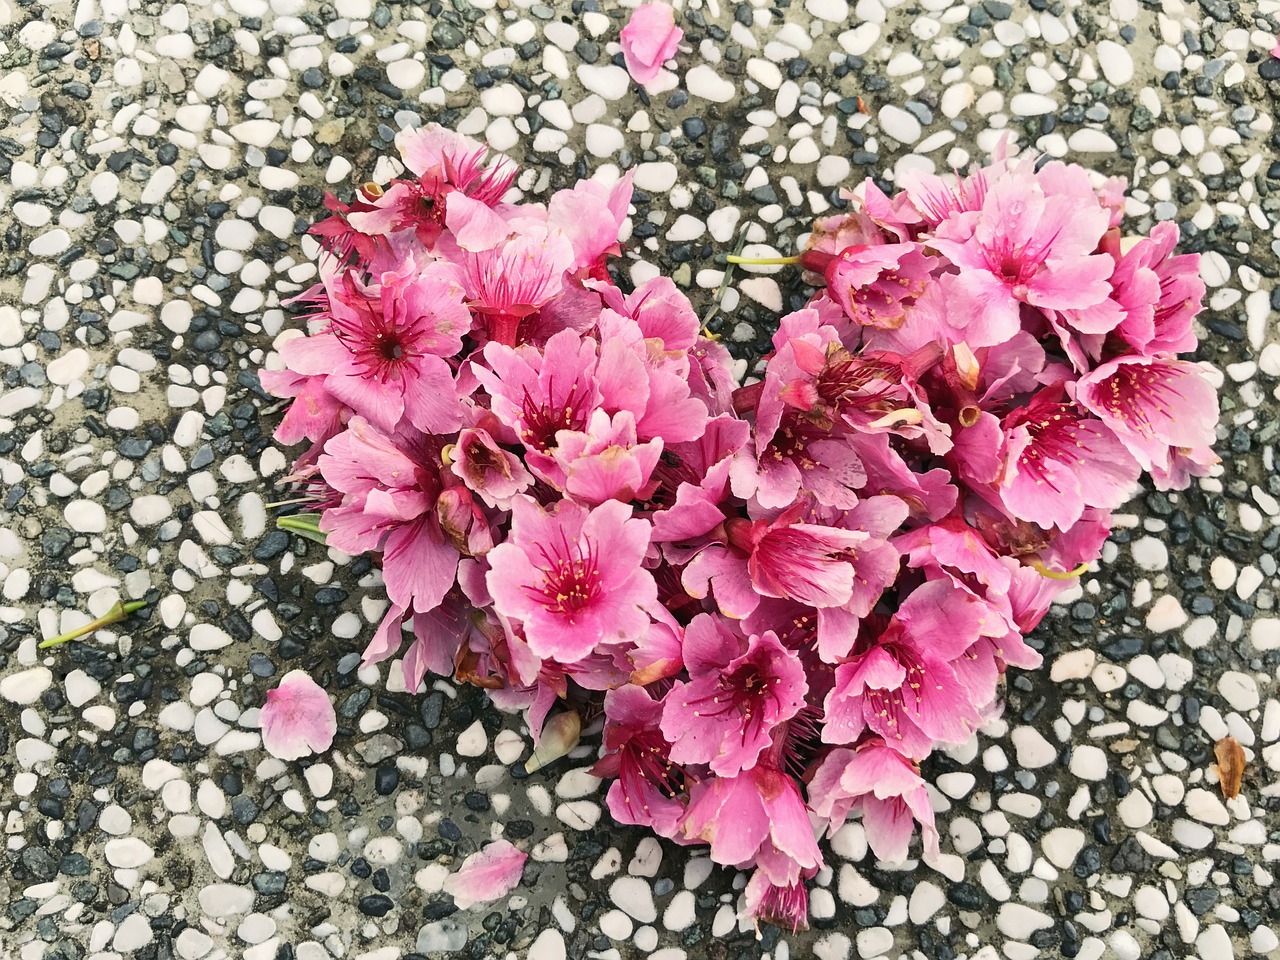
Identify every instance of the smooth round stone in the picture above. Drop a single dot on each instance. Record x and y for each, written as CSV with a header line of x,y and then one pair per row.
x,y
26,686
1239,690
85,516
127,852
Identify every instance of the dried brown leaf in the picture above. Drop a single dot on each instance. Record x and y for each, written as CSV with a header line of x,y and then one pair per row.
x,y
1230,766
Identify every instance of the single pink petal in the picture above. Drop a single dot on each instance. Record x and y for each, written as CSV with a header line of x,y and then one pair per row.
x,y
486,875
649,38
297,718
1275,51
474,224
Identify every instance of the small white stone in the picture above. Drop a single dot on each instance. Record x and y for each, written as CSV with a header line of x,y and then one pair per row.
x,y
1061,845
1073,665
1019,922
1116,63
1239,690
1032,105
633,895
707,84
473,741
86,516
1166,614
548,946
899,124
1088,762
133,933
26,686
225,899
609,82
1033,750
127,852
1087,140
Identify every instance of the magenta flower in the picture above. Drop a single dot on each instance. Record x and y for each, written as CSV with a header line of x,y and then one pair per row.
x,y
650,786
537,393
1059,460
507,284
738,692
572,577
693,481
756,818
605,461
875,285
591,215
810,563
494,474
487,875
648,40
1156,407
315,414
1028,248
1159,293
297,719
660,310
390,486
787,906
385,357
450,159
886,787
901,685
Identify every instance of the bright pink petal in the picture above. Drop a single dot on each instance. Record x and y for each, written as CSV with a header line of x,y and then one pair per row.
x,y
297,719
486,875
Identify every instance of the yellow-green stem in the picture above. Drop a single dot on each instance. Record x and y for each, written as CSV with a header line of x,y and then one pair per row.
x,y
304,525
117,613
1040,568
762,261
289,503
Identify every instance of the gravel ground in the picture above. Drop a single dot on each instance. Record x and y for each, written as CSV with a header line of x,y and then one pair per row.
x,y
159,164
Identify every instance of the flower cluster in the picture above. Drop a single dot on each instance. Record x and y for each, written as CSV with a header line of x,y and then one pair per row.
x,y
786,594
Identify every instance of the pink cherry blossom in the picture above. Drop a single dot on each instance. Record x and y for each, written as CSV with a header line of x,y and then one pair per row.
x,y
297,720
494,474
888,790
901,684
649,787
787,905
487,875
1059,460
756,818
384,356
1159,293
605,461
389,489
1156,406
649,39
1027,247
572,577
590,215
739,690
536,393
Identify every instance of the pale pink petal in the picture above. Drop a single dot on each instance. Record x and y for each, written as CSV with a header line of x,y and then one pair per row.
x,y
486,875
297,718
649,38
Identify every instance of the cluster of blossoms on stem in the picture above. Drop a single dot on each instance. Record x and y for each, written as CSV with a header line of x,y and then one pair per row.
x,y
781,596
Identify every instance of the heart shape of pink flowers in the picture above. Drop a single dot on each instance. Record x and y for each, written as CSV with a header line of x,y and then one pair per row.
x,y
786,594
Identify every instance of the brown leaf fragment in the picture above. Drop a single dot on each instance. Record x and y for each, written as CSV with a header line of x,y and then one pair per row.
x,y
1230,766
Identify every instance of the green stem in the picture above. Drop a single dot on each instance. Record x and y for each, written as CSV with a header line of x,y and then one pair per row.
x,y
117,613
289,503
762,261
304,525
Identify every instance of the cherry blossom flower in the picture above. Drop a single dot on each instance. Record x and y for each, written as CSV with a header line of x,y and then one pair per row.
x,y
389,488
648,40
901,684
488,874
494,474
739,690
572,577
1059,460
886,787
384,356
650,786
297,720
1028,248
787,905
1155,406
756,818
